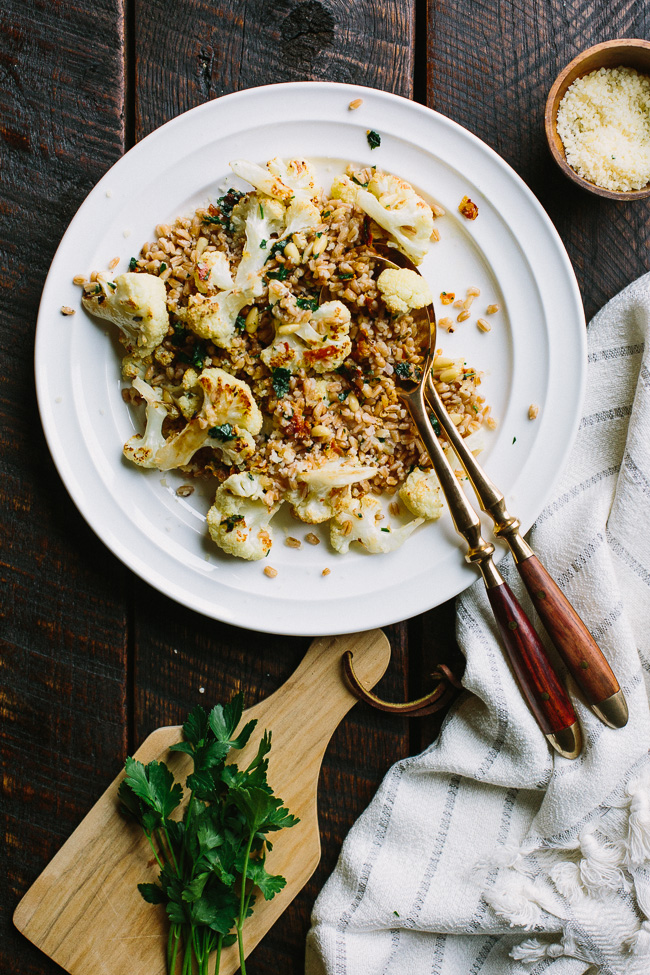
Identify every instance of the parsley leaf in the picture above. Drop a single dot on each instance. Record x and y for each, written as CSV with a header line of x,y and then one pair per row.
x,y
307,303
133,263
403,370
374,139
224,433
280,378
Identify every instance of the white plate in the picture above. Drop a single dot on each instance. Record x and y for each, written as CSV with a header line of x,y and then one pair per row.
x,y
535,353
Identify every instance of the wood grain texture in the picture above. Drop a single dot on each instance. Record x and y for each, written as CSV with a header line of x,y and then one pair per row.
x,y
571,637
541,687
85,909
206,49
62,617
491,67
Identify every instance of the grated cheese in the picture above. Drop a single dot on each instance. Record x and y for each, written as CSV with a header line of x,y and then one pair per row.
x,y
604,124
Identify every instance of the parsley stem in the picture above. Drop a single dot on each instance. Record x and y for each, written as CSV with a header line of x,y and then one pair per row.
x,y
242,904
171,850
175,934
155,852
217,963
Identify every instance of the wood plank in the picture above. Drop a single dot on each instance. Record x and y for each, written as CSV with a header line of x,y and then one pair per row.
x,y
63,626
205,50
490,67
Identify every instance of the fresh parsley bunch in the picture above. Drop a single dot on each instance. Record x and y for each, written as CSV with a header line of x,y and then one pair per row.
x,y
212,859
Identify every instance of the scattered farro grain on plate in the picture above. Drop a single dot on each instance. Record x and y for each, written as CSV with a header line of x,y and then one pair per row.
x,y
270,572
533,411
355,103
326,572
67,310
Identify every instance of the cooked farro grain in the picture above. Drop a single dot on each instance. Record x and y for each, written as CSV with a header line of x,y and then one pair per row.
x,y
293,542
492,309
185,490
312,539
355,103
326,572
270,572
483,325
533,411
67,310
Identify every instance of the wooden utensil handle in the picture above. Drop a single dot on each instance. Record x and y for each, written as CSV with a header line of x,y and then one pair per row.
x,y
574,642
546,696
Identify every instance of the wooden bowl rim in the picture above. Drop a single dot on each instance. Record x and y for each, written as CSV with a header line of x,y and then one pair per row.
x,y
550,119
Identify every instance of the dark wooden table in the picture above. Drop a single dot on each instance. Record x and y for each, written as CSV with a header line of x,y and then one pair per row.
x,y
93,659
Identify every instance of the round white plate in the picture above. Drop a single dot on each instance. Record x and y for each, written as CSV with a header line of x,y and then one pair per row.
x,y
535,353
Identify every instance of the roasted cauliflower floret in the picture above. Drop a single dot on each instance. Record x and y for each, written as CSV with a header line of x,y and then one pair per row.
x,y
239,519
329,342
227,421
136,303
263,219
403,289
301,217
324,489
319,340
263,180
212,273
395,206
214,318
298,174
420,492
142,449
189,395
358,520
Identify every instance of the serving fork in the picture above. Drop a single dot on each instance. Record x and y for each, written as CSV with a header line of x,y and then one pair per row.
x,y
539,683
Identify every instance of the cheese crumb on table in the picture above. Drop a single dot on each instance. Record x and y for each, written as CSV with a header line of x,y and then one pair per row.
x,y
604,124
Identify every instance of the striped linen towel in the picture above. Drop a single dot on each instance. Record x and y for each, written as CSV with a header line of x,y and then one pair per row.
x,y
486,853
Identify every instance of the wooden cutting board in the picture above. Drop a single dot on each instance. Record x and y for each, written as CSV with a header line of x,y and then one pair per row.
x,y
84,910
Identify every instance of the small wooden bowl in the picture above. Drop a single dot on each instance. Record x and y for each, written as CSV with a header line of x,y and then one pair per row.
x,y
626,53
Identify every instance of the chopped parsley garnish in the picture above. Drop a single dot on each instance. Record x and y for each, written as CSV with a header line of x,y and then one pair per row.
x,y
345,275
327,213
359,183
196,357
278,245
220,212
223,433
434,424
279,275
133,263
374,139
163,267
307,303
344,395
261,211
280,378
263,245
231,521
403,370
111,285
514,440
180,335
385,529
240,323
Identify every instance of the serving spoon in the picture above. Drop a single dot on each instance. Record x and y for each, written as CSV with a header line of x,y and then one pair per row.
x,y
539,683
